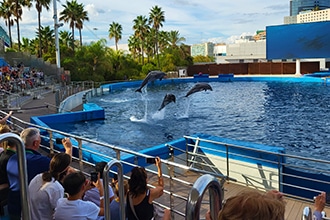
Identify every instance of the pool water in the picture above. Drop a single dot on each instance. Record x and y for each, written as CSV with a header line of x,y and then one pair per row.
x,y
290,115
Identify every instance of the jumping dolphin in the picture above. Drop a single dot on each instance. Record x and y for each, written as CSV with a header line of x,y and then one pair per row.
x,y
167,100
152,76
199,87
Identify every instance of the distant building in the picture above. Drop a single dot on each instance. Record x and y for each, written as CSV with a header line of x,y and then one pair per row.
x,y
204,49
308,16
297,6
246,51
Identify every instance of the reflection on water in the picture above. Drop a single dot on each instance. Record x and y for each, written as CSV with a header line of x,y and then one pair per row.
x,y
291,115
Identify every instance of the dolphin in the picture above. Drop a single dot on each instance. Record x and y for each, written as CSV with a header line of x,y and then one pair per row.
x,y
167,100
198,88
152,76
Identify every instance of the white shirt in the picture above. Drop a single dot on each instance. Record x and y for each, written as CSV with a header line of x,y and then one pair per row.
x,y
44,197
76,210
93,194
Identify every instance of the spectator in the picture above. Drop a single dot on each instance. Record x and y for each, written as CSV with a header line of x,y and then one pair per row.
x,y
252,206
319,205
36,163
4,119
46,189
115,204
9,150
140,196
93,194
73,207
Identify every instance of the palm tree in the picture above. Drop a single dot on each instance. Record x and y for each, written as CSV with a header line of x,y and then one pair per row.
x,y
18,12
156,18
134,46
39,5
75,15
66,39
6,11
47,36
115,31
174,38
141,30
82,16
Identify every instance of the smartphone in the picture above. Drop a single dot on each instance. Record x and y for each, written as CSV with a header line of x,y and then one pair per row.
x,y
58,140
94,176
151,160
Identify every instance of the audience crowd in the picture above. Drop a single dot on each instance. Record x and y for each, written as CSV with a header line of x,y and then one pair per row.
x,y
16,79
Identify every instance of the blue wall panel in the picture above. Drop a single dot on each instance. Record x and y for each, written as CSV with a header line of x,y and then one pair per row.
x,y
293,41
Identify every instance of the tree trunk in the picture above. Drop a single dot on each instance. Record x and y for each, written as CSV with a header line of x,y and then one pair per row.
x,y
9,30
40,43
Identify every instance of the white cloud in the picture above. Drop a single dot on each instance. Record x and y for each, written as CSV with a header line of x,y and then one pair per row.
x,y
197,21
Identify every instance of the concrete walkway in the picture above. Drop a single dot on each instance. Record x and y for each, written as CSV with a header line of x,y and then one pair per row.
x,y
43,105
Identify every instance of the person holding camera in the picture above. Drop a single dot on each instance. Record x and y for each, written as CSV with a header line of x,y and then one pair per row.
x,y
73,207
93,194
140,196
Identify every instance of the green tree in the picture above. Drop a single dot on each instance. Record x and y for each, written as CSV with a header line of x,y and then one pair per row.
x,y
141,29
175,39
74,14
39,5
115,31
18,12
82,16
156,18
134,46
6,11
47,37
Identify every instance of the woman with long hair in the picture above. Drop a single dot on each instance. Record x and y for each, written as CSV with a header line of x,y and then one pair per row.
x,y
139,204
46,188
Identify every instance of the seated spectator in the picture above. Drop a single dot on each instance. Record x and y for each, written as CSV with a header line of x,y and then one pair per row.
x,y
46,189
73,207
140,196
115,204
93,194
252,206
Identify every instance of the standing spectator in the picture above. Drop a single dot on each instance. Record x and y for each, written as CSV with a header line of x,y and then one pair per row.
x,y
36,163
73,207
140,196
46,188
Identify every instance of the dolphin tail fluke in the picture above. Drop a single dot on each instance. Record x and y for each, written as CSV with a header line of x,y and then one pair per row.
x,y
138,90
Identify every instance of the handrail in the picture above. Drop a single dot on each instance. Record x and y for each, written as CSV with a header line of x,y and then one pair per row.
x,y
22,170
106,181
216,194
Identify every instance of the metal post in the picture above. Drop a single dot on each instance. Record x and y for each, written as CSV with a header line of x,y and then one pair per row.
x,y
22,170
196,194
106,189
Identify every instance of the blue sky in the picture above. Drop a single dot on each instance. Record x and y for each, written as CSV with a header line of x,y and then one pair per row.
x,y
197,21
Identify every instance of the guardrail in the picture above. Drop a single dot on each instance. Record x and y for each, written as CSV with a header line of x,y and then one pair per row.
x,y
201,161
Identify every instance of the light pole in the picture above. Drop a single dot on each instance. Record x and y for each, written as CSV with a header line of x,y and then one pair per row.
x,y
57,43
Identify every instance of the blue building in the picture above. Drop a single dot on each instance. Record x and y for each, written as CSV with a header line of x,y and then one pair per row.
x,y
297,6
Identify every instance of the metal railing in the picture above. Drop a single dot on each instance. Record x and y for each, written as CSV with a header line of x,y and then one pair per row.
x,y
199,163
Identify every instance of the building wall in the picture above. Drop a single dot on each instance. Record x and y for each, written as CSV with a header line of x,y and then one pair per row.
x,y
254,51
296,6
204,49
314,16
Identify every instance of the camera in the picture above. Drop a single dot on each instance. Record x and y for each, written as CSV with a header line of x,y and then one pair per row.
x,y
94,176
58,140
151,160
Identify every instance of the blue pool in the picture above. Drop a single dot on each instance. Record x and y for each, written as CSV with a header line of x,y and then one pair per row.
x,y
290,115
